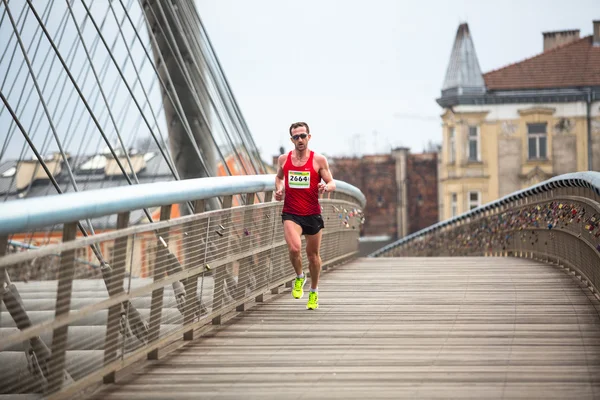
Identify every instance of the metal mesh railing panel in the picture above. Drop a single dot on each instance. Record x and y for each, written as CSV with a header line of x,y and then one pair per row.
x,y
560,226
161,280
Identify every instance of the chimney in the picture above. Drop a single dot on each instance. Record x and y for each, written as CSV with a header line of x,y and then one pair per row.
x,y
559,38
597,33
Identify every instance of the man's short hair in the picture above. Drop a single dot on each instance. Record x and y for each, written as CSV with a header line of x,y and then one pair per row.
x,y
298,125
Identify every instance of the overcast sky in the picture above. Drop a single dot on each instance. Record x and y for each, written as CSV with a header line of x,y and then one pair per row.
x,y
365,74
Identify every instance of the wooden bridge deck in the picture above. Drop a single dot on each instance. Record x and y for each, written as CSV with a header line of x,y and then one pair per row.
x,y
398,328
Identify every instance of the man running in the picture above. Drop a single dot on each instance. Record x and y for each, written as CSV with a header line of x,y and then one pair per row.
x,y
299,175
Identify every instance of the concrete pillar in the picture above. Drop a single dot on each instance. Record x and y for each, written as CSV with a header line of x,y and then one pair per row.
x,y
400,156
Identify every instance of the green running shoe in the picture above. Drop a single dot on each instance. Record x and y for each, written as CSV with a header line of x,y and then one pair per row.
x,y
297,291
313,301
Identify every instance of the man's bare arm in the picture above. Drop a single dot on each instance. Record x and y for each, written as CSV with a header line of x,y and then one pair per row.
x,y
325,172
279,178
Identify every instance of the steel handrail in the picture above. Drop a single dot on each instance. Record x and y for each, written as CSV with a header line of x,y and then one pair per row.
x,y
35,213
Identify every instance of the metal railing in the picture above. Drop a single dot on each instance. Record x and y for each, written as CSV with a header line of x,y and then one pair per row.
x,y
556,221
69,321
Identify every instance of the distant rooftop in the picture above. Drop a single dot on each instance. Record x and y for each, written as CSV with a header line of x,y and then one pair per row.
x,y
568,67
463,74
26,178
574,64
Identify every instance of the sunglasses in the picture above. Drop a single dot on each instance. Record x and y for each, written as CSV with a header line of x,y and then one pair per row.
x,y
300,136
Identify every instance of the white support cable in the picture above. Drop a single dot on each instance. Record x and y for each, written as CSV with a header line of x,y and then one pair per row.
x,y
202,111
51,124
103,73
14,51
142,114
12,128
171,167
113,93
245,135
58,142
56,85
179,108
123,113
217,100
46,111
2,20
104,98
41,98
153,114
44,166
208,52
176,104
92,115
225,94
199,73
62,86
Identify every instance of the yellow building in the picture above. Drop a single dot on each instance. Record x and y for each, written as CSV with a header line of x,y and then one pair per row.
x,y
519,125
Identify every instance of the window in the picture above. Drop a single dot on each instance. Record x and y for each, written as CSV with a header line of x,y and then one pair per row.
x,y
537,141
451,146
473,150
474,200
453,204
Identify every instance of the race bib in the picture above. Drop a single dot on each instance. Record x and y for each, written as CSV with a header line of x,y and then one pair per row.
x,y
299,179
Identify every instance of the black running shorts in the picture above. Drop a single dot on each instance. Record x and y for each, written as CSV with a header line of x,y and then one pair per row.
x,y
310,224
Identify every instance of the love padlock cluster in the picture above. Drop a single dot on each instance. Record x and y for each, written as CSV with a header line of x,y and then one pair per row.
x,y
496,232
349,218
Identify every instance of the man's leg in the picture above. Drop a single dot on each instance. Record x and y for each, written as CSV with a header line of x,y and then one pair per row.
x,y
313,246
292,233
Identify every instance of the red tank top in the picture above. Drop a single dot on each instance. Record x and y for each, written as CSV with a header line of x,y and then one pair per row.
x,y
301,187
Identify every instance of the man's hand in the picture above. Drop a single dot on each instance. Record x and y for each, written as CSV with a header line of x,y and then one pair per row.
x,y
279,194
322,187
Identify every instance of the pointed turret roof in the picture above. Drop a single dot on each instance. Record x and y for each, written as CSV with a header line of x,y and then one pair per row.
x,y
463,75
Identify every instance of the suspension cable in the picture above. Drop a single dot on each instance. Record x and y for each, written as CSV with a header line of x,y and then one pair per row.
x,y
22,92
167,159
45,167
231,97
187,76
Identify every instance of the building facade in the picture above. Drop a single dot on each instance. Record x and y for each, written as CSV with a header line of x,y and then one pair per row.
x,y
401,190
508,129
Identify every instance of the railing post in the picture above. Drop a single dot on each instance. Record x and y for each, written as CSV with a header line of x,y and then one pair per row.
x,y
191,283
3,251
114,287
219,275
268,196
63,306
275,290
245,270
3,245
160,268
268,199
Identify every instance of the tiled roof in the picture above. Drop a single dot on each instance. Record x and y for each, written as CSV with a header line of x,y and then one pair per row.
x,y
8,185
576,64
